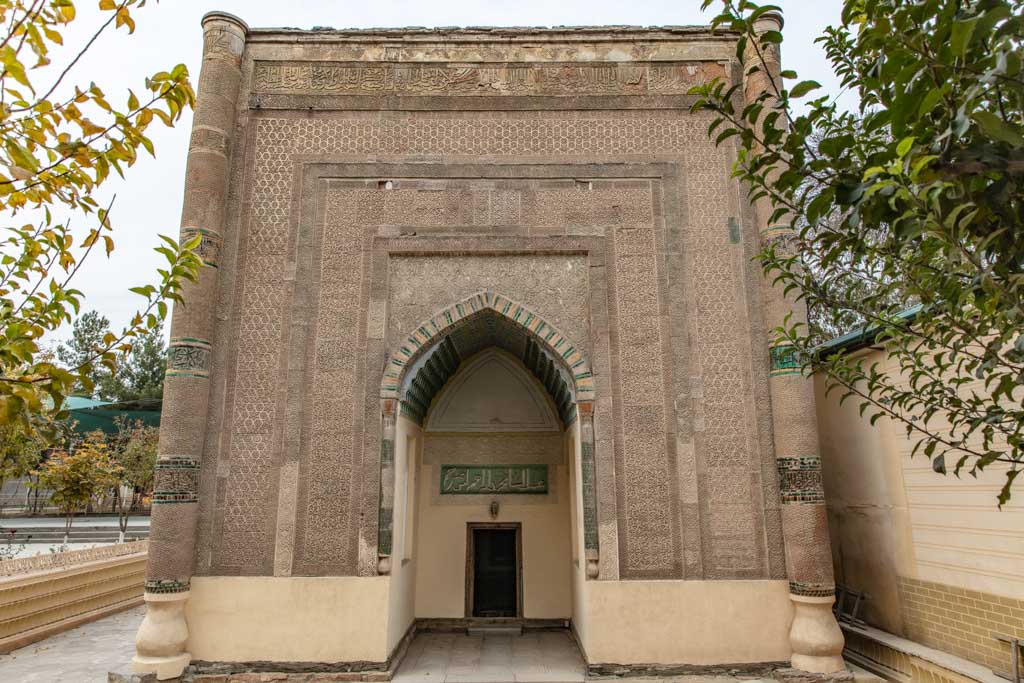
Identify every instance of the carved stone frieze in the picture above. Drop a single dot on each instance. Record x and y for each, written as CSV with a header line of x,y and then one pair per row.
x,y
510,79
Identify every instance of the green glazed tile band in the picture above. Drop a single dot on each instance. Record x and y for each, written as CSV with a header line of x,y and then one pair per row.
x,y
782,360
188,357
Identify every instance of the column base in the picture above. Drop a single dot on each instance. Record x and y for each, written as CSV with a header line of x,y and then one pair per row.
x,y
165,668
163,636
815,637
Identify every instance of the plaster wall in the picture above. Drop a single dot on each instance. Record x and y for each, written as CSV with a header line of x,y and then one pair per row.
x,y
402,587
868,515
895,516
441,540
288,619
686,622
580,623
941,563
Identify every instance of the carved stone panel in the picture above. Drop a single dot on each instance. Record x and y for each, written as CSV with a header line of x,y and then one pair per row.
x,y
482,80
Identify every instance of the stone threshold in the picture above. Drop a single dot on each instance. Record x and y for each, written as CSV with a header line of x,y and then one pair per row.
x,y
462,625
958,666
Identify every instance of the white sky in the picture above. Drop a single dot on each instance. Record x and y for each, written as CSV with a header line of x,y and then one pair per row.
x,y
149,200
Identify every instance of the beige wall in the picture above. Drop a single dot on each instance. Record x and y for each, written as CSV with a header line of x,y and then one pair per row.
x,y
402,590
493,411
687,622
579,562
941,563
441,548
288,619
868,514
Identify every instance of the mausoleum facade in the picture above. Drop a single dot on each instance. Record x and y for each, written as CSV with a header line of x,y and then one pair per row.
x,y
479,339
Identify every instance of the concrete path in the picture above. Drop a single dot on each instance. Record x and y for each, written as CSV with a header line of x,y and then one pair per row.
x,y
81,655
545,656
80,521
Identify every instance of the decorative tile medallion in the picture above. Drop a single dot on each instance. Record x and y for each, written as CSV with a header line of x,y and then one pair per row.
x,y
209,246
783,361
503,479
166,586
187,357
812,590
800,480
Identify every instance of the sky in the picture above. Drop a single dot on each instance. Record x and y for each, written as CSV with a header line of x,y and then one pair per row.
x,y
148,201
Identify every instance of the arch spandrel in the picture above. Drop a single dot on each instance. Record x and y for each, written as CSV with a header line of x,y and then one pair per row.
x,y
437,327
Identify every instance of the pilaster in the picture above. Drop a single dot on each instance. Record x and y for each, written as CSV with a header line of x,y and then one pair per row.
x,y
163,636
815,637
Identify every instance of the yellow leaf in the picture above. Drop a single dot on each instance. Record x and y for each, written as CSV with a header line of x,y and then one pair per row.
x,y
53,35
107,4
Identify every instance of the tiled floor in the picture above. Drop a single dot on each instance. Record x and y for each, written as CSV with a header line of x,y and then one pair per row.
x,y
82,655
541,657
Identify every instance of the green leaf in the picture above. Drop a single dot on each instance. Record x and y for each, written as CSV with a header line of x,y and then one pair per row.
x,y
997,128
961,34
904,146
802,88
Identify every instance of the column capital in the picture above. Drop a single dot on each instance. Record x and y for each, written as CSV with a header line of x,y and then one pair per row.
x,y
769,21
224,20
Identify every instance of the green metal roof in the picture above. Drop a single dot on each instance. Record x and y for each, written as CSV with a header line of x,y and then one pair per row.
x,y
90,414
864,336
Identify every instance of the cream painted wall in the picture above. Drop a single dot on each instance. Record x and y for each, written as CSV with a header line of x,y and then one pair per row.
x,y
441,551
891,515
687,622
288,619
475,424
402,589
579,563
868,516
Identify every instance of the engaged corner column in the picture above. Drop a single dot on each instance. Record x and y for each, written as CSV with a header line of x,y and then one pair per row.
x,y
163,636
815,637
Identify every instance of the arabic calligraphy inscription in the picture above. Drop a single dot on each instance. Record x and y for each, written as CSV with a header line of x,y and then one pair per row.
x,y
496,479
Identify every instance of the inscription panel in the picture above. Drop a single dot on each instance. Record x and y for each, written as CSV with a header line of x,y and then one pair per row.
x,y
478,80
497,479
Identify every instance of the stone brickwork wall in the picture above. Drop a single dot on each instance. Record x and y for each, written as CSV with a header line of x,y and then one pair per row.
x,y
586,192
962,622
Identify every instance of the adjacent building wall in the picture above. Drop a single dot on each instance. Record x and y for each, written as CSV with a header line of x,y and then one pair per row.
x,y
942,564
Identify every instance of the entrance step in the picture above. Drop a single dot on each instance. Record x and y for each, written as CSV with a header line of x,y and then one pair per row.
x,y
496,630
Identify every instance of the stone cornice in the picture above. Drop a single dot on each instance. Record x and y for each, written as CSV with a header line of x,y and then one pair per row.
x,y
496,34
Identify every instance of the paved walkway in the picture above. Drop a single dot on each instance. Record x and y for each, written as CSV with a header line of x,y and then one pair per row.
x,y
544,656
87,653
80,521
81,655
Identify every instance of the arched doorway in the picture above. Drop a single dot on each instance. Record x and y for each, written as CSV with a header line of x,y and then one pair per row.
x,y
487,505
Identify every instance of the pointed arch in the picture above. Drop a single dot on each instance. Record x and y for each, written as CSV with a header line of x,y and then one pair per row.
x,y
437,330
423,362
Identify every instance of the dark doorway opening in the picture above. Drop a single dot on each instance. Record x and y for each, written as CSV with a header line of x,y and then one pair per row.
x,y
493,572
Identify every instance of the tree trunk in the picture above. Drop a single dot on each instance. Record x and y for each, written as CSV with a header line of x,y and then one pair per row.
x,y
67,527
